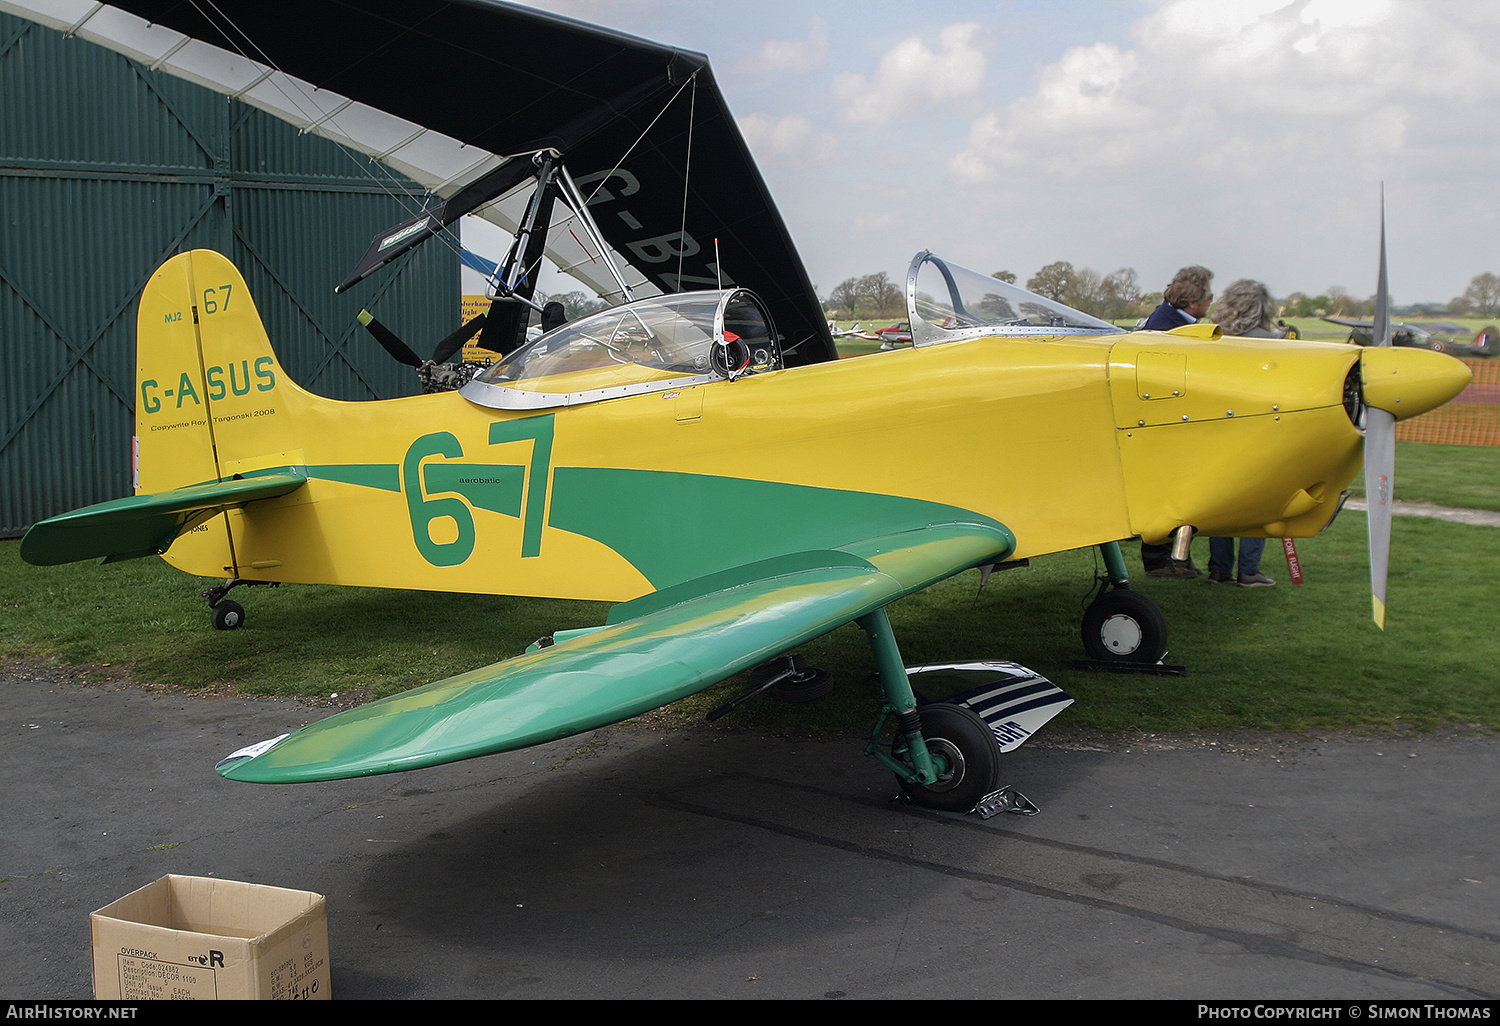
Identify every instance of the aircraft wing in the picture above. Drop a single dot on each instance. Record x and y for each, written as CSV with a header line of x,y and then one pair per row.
x,y
144,525
655,650
450,93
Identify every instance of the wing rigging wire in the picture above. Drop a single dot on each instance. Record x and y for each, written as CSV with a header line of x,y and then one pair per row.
x,y
687,169
298,99
384,178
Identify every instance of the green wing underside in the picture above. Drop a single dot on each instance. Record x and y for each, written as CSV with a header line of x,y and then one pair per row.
x,y
145,525
655,650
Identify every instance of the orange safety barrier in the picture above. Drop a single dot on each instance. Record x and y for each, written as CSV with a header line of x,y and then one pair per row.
x,y
1472,418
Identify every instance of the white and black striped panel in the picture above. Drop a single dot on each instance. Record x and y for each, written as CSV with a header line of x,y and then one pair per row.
x,y
1015,701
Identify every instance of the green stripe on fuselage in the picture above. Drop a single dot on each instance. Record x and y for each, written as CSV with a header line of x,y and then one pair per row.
x,y
385,476
674,527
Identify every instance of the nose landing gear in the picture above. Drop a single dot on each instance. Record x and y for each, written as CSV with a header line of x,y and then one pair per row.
x,y
1125,626
1123,630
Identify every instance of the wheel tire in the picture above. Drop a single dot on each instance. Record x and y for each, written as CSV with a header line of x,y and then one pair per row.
x,y
806,685
227,615
959,736
1125,627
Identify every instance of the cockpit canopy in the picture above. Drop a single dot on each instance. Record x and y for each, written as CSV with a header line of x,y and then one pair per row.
x,y
945,302
646,346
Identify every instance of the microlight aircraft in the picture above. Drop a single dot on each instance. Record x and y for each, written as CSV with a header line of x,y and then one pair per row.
x,y
695,454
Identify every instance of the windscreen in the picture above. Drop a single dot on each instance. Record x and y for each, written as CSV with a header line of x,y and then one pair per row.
x,y
661,337
948,301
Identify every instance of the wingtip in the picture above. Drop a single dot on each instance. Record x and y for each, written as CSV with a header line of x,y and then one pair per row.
x,y
226,766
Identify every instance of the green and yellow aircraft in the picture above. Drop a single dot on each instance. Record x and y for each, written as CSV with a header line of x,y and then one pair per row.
x,y
698,458
660,456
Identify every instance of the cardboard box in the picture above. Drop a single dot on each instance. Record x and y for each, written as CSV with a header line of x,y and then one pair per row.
x,y
195,938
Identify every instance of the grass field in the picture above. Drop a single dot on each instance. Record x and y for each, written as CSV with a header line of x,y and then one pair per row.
x,y
1285,658
1461,476
1314,328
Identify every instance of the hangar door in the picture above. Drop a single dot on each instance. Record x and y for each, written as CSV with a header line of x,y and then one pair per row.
x,y
106,170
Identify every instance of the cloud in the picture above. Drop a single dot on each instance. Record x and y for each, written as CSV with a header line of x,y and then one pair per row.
x,y
792,54
882,209
791,140
912,76
1084,102
1235,119
1216,85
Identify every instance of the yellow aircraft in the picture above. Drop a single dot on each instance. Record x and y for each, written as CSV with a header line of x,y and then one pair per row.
x,y
691,458
657,455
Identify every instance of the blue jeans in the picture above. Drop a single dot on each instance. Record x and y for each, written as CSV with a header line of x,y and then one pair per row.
x,y
1221,555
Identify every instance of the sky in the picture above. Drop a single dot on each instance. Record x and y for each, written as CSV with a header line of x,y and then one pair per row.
x,y
1250,136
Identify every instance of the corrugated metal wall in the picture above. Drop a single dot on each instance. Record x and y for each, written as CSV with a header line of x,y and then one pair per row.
x,y
106,170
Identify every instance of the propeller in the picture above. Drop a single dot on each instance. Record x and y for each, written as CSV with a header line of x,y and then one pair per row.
x,y
1380,452
399,350
445,349
435,377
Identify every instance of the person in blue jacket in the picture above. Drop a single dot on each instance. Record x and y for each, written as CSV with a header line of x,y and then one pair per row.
x,y
1185,301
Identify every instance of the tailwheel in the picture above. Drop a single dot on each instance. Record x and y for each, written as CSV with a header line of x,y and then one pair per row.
x,y
1125,626
227,615
967,757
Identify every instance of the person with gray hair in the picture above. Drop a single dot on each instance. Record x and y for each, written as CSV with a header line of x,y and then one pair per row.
x,y
1245,310
1184,301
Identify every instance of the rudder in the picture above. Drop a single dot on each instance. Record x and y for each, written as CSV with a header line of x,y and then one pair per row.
x,y
212,401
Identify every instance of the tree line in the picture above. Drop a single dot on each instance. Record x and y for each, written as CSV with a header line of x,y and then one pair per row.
x,y
861,298
1118,296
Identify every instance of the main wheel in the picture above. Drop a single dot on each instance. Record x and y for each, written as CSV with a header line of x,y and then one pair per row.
x,y
1125,626
227,615
967,754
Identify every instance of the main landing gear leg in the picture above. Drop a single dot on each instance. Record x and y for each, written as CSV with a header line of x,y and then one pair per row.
x,y
944,756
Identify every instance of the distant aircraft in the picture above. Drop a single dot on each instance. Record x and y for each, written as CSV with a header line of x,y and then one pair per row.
x,y
1439,336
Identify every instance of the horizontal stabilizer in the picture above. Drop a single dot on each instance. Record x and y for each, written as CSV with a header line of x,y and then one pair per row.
x,y
144,525
671,649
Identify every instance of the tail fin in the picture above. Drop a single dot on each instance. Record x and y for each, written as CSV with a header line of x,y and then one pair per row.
x,y
212,403
205,374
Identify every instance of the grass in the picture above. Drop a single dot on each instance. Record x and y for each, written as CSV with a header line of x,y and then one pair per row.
x,y
1461,476
1284,658
1307,327
307,640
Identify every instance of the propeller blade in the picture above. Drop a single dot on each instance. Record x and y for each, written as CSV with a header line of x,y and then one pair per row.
x,y
1380,453
454,342
1381,335
1380,468
387,338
